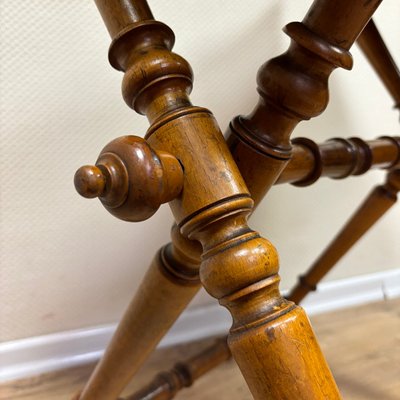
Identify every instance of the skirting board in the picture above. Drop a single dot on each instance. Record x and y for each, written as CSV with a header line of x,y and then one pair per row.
x,y
33,356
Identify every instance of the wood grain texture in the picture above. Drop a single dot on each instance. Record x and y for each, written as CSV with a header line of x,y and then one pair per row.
x,y
212,208
131,179
377,203
338,158
365,368
271,339
142,328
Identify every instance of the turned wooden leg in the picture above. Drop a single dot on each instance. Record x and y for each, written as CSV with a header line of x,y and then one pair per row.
x,y
211,208
239,268
167,288
382,197
292,87
374,48
308,163
332,159
378,202
131,179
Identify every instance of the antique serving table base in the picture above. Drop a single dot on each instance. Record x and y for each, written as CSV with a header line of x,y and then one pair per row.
x,y
213,185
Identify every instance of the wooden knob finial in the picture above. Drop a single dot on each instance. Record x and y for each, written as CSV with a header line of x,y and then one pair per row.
x,y
131,179
89,181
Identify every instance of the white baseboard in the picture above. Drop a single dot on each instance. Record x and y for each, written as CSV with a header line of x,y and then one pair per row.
x,y
33,356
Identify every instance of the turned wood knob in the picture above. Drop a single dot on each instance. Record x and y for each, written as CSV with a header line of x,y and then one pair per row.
x,y
131,179
90,181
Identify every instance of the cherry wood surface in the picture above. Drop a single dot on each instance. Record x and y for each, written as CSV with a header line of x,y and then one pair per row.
x,y
337,158
212,208
186,161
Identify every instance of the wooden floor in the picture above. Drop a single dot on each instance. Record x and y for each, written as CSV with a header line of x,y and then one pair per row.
x,y
362,346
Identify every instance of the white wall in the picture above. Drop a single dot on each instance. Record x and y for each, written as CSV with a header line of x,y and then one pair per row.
x,y
65,262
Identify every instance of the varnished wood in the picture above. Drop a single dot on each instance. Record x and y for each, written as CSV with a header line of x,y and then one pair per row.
x,y
378,202
131,179
169,285
260,142
374,48
213,208
294,87
382,198
218,220
340,158
331,158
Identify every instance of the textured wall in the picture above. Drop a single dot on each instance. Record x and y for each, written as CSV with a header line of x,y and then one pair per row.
x,y
65,262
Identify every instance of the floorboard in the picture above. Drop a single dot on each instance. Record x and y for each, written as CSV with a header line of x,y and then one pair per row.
x,y
362,345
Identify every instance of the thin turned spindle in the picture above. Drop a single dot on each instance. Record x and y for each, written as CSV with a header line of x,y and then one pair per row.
x,y
167,384
169,285
338,158
379,201
374,48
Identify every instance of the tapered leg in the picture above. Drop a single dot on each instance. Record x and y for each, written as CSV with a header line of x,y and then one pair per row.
x,y
386,153
168,286
374,48
302,171
262,319
382,197
379,201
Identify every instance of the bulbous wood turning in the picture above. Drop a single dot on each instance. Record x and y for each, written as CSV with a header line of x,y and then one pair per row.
x,y
269,334
131,179
336,158
293,87
167,384
143,44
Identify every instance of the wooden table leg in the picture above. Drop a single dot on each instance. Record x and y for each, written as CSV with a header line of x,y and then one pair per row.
x,y
374,48
382,197
240,339
309,162
378,202
168,286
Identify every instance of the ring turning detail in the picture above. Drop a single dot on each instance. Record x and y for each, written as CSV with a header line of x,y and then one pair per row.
x,y
212,186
